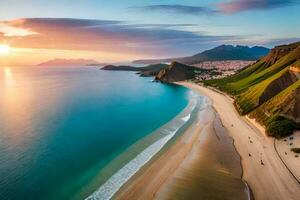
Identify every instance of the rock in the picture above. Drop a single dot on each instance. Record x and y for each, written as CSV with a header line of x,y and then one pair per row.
x,y
176,72
278,52
291,108
149,70
277,86
120,68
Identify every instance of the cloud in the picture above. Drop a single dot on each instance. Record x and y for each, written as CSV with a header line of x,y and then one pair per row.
x,y
235,6
7,30
118,39
183,9
225,7
111,36
278,41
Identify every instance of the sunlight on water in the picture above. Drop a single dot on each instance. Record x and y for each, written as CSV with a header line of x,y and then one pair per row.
x,y
16,107
52,118
8,77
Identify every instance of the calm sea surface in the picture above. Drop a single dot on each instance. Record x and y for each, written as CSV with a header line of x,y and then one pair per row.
x,y
60,127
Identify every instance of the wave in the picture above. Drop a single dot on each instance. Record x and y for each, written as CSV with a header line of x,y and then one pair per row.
x,y
186,118
116,181
110,187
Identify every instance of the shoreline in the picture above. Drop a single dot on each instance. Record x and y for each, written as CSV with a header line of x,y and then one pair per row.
x,y
249,190
264,171
204,146
140,154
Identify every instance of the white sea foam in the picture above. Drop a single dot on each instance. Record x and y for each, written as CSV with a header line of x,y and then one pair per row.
x,y
114,183
186,118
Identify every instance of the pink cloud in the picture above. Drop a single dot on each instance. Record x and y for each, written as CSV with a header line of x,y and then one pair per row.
x,y
235,6
107,35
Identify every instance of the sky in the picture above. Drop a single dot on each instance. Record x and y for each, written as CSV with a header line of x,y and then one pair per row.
x,y
124,30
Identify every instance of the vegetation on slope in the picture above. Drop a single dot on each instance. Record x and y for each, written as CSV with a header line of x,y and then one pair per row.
x,y
180,72
267,88
256,73
274,113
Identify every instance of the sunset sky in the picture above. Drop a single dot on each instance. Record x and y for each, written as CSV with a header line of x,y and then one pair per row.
x,y
33,31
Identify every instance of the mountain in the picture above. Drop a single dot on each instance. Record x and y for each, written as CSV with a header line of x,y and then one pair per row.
x,y
149,70
180,72
69,62
269,90
152,70
176,72
120,68
223,52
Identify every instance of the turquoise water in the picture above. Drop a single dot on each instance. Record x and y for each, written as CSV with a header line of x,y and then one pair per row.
x,y
60,127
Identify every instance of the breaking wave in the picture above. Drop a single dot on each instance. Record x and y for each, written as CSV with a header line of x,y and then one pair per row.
x,y
168,131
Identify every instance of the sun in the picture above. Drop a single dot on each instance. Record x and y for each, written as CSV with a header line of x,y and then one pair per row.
x,y
4,49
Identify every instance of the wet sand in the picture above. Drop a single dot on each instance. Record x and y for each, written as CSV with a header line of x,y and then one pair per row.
x,y
267,174
201,164
211,170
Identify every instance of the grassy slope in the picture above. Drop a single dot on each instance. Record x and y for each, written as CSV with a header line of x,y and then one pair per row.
x,y
254,74
270,111
274,105
228,84
249,84
249,99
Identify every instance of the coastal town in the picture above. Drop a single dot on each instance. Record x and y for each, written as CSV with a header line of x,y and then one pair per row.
x,y
220,69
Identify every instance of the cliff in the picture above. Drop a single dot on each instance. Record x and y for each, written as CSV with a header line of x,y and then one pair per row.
x,y
176,72
269,90
280,114
278,85
278,52
152,70
295,68
291,107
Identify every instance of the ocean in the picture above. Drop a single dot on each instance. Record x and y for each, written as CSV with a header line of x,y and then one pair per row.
x,y
80,132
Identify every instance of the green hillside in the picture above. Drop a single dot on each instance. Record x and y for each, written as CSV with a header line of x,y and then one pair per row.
x,y
274,113
262,88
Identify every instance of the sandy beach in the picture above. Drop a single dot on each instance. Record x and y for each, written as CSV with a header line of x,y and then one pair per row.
x,y
267,174
202,163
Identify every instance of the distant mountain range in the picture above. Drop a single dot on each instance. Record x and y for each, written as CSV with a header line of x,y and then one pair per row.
x,y
269,90
223,52
70,62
